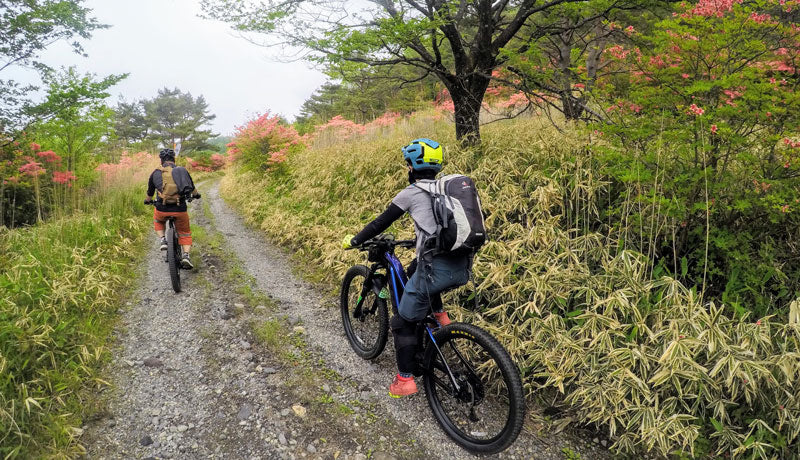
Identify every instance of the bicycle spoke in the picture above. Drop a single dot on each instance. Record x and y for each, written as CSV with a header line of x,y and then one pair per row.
x,y
472,412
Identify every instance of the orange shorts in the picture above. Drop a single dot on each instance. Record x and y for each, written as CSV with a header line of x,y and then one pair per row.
x,y
181,224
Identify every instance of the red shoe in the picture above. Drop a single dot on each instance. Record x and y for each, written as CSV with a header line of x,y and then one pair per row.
x,y
442,318
402,386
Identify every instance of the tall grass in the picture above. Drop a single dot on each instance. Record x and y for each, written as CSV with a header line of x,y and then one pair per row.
x,y
60,284
639,355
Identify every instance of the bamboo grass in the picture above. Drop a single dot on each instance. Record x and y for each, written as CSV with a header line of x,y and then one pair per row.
x,y
642,357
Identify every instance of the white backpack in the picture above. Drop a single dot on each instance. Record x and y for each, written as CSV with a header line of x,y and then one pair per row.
x,y
460,227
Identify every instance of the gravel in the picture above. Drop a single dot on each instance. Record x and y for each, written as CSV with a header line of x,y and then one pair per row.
x,y
191,381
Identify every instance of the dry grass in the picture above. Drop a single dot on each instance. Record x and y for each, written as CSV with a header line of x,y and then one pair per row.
x,y
580,312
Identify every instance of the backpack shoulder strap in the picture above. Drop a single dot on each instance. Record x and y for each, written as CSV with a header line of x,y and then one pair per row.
x,y
433,193
430,191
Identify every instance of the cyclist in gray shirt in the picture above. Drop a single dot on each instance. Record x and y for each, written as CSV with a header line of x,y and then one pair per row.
x,y
432,274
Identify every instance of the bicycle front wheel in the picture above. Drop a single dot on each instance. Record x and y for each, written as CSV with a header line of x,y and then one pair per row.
x,y
473,388
173,258
367,326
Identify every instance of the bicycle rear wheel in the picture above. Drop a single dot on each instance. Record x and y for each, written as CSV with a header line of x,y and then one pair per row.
x,y
173,257
367,327
484,409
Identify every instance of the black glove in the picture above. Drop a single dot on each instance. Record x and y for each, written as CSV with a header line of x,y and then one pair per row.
x,y
197,196
148,201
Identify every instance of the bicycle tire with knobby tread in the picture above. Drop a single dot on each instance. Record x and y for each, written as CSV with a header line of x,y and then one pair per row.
x,y
172,259
511,378
365,352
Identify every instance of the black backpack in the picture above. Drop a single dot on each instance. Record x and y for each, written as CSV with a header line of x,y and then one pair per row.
x,y
460,228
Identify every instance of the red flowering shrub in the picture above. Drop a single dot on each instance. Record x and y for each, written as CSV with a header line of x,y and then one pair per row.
x,y
263,143
206,162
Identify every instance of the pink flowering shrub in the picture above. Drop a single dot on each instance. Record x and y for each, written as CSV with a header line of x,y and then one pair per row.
x,y
130,169
63,177
32,169
341,128
206,162
263,143
49,156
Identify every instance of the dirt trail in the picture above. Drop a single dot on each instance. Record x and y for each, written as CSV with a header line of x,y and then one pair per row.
x,y
220,372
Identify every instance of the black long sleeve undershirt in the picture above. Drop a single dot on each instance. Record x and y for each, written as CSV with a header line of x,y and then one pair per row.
x,y
377,226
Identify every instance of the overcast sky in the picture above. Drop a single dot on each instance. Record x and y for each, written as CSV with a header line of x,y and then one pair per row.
x,y
162,43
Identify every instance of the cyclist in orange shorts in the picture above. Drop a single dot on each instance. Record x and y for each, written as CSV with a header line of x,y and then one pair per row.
x,y
174,185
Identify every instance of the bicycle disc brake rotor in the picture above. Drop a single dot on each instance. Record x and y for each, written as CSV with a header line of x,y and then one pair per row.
x,y
470,388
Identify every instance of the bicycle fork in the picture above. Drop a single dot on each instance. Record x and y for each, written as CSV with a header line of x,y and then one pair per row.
x,y
456,386
376,284
457,389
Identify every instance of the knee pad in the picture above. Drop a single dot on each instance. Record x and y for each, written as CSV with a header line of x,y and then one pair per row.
x,y
400,324
404,332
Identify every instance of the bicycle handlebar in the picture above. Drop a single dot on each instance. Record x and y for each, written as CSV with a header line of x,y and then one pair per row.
x,y
385,239
188,200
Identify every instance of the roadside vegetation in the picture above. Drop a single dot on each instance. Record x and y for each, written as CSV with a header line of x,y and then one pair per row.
x,y
602,329
72,220
62,283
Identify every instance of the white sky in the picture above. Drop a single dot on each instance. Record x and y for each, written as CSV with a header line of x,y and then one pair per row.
x,y
162,43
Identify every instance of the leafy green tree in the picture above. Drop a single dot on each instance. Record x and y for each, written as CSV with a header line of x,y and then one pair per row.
x,y
220,143
457,41
130,123
80,118
367,93
174,116
27,27
560,68
707,107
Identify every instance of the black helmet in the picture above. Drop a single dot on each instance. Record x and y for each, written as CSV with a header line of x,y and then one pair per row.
x,y
166,154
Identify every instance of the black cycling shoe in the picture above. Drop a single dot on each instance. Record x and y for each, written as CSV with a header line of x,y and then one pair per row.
x,y
163,243
186,264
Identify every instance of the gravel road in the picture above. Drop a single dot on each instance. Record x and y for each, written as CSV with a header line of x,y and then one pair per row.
x,y
191,380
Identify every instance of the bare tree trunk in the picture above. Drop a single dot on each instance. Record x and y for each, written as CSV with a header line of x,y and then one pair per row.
x,y
14,207
2,202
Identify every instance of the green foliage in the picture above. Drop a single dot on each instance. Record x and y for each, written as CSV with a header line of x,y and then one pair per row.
x,y
170,117
59,288
708,118
37,183
459,42
220,143
28,27
366,94
570,454
80,120
565,67
174,116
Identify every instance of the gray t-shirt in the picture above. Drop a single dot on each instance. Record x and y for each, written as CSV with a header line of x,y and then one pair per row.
x,y
417,203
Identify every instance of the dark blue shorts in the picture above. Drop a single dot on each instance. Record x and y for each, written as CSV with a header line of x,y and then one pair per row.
x,y
445,272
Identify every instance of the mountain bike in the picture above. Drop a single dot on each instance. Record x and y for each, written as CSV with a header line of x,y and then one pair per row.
x,y
173,252
472,386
